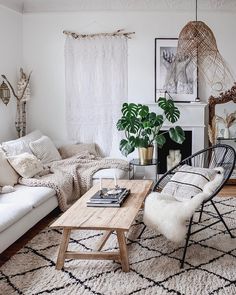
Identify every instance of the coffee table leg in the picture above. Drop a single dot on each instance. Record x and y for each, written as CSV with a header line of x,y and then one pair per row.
x,y
123,250
63,247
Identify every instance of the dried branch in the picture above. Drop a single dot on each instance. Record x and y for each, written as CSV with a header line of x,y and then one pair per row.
x,y
220,119
23,84
27,83
120,32
229,119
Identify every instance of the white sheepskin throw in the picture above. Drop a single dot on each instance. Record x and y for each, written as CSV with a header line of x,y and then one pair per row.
x,y
168,215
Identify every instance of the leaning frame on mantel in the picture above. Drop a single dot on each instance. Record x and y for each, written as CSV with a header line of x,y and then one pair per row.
x,y
224,97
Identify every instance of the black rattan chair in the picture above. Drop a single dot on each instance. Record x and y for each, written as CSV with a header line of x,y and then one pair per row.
x,y
215,156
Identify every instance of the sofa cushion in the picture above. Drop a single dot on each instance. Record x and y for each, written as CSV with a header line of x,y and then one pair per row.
x,y
27,165
12,212
45,150
21,145
33,196
8,175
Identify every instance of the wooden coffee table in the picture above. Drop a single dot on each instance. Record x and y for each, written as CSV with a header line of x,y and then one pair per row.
x,y
81,217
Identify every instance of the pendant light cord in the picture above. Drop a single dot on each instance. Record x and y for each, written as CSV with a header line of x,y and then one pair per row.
x,y
196,10
197,98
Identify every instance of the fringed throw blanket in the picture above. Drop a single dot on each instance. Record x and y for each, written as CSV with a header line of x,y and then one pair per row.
x,y
72,177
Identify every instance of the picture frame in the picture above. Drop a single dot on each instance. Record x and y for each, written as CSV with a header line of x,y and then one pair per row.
x,y
178,79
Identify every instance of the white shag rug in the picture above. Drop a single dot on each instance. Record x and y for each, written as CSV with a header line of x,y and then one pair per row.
x,y
210,266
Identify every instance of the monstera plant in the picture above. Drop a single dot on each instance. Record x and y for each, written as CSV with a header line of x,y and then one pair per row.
x,y
142,128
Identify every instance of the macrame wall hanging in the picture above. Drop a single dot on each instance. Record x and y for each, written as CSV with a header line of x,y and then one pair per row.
x,y
197,42
96,78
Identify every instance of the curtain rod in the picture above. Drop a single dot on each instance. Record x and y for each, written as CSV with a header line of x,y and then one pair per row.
x,y
120,32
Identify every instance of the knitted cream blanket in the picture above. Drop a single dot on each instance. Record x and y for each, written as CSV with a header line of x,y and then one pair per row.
x,y
72,177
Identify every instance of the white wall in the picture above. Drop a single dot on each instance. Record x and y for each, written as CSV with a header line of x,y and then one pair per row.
x,y
43,52
10,63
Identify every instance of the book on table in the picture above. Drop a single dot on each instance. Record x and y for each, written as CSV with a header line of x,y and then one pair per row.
x,y
108,198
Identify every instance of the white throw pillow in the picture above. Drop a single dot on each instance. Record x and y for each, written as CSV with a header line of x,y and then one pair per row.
x,y
8,175
17,147
45,150
188,181
21,145
27,165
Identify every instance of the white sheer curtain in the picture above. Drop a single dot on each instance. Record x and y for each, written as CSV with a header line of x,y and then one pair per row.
x,y
96,87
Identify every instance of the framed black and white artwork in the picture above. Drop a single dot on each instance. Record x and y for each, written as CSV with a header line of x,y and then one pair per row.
x,y
177,78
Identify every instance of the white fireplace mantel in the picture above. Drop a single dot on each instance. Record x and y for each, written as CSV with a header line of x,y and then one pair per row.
x,y
193,117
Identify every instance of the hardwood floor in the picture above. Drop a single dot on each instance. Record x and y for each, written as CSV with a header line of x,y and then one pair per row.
x,y
228,190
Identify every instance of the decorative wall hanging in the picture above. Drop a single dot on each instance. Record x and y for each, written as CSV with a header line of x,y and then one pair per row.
x,y
96,68
175,76
22,95
198,43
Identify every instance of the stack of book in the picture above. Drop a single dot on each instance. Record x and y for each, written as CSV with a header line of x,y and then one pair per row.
x,y
108,198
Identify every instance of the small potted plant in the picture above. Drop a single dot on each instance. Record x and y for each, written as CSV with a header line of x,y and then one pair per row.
x,y
142,128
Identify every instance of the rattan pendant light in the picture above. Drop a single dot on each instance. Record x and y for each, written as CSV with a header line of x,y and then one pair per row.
x,y
197,42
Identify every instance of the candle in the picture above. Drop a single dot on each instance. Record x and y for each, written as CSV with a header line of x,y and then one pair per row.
x,y
100,184
115,180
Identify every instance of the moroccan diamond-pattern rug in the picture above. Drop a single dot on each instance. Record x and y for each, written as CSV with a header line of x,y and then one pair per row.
x,y
210,266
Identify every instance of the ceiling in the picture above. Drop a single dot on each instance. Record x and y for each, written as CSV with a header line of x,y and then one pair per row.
x,y
31,6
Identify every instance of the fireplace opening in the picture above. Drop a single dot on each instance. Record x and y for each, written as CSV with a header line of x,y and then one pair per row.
x,y
172,152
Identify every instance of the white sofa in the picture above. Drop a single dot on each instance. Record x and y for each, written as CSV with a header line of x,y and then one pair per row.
x,y
21,209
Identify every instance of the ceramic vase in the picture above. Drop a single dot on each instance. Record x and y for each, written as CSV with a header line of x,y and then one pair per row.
x,y
226,132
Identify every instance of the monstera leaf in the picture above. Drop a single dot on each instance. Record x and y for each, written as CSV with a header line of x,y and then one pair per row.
x,y
143,111
129,120
130,124
126,147
129,110
170,110
160,140
177,134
